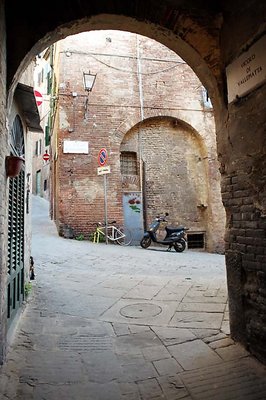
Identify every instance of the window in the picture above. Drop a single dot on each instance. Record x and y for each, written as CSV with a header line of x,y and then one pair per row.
x,y
206,99
38,147
49,82
128,163
45,185
40,77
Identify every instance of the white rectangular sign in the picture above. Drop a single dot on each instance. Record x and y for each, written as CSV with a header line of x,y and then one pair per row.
x,y
104,170
76,146
248,71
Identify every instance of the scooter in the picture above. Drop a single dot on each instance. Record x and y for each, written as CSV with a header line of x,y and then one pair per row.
x,y
175,237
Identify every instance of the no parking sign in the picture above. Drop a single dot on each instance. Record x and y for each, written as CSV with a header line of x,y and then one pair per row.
x,y
104,170
102,157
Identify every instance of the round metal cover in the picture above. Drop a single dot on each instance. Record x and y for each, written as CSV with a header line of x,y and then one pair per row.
x,y
140,310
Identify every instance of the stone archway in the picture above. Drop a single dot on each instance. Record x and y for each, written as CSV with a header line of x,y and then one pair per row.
x,y
178,178
201,34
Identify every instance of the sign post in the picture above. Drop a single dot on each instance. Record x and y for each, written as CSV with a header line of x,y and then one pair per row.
x,y
105,207
102,170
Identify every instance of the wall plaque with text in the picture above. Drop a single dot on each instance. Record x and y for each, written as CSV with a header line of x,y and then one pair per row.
x,y
76,146
248,71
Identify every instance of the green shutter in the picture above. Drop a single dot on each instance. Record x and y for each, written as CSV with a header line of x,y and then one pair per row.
x,y
47,135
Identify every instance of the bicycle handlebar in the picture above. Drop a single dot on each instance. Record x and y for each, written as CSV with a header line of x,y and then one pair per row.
x,y
103,223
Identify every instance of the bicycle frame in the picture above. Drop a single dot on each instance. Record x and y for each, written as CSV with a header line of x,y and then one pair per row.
x,y
113,233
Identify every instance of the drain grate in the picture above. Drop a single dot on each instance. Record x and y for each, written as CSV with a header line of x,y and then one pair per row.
x,y
83,343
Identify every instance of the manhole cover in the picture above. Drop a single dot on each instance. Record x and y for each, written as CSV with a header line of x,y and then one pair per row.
x,y
140,310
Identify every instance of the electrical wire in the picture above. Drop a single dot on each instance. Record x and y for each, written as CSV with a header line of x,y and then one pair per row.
x,y
177,63
136,73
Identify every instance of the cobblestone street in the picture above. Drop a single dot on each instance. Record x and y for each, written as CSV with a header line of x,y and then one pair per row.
x,y
107,322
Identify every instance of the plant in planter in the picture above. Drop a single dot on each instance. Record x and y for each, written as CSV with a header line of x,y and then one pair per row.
x,y
27,288
13,165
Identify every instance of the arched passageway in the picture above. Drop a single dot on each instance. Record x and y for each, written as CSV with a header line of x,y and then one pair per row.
x,y
179,177
209,38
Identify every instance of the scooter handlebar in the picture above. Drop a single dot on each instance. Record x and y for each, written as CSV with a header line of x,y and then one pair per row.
x,y
161,218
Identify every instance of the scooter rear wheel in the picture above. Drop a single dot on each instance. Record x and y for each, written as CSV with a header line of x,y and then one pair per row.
x,y
145,242
180,245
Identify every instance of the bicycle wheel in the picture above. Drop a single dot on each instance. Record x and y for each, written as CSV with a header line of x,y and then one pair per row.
x,y
123,238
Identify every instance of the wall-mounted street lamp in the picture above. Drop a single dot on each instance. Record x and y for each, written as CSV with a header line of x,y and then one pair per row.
x,y
88,81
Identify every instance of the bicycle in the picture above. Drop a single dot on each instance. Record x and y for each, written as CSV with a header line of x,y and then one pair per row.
x,y
114,234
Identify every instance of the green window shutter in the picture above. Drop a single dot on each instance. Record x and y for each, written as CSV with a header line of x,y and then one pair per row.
x,y
47,135
49,82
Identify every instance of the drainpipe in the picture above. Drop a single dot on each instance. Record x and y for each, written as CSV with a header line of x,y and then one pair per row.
x,y
140,80
141,100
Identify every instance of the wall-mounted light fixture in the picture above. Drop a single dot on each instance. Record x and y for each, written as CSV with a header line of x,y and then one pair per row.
x,y
88,81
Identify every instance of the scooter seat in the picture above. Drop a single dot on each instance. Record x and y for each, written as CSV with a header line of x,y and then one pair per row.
x,y
170,230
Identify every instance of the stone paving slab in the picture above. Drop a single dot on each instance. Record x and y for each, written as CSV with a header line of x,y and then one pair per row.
x,y
202,307
186,319
173,388
170,335
205,299
167,367
172,292
88,391
237,380
48,367
194,355
162,316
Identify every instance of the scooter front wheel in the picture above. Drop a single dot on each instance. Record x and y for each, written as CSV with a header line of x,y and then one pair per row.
x,y
145,242
180,245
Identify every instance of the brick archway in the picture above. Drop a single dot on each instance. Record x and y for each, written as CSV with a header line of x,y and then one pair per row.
x,y
197,46
208,37
164,133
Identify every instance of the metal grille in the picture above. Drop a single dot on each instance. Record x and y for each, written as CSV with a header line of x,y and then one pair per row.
x,y
15,256
196,240
128,163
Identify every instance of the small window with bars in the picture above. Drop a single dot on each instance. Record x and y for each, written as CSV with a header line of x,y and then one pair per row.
x,y
128,163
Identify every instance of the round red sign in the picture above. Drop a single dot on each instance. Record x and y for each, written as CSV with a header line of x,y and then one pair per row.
x,y
46,157
38,97
102,157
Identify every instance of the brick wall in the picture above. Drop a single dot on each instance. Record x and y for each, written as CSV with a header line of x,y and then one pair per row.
x,y
167,88
244,196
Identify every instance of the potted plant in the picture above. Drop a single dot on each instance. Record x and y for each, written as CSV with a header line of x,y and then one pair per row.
x,y
14,165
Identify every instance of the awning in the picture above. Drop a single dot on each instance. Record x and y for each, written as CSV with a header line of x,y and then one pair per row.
x,y
25,97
